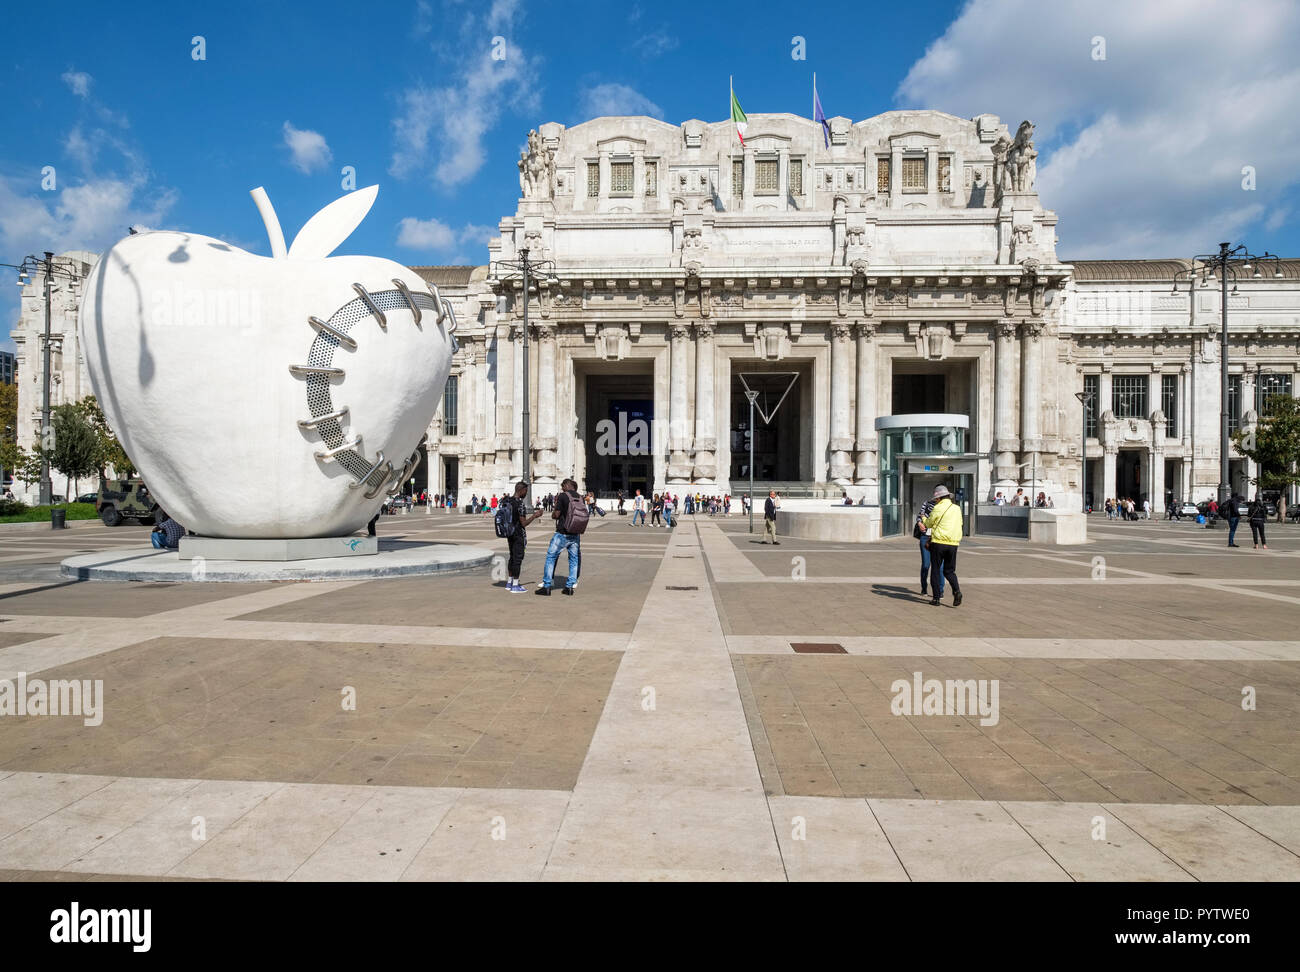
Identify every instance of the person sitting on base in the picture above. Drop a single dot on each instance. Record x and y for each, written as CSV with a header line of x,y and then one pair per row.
x,y
167,532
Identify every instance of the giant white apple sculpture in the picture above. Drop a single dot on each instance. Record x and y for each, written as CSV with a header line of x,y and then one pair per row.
x,y
262,397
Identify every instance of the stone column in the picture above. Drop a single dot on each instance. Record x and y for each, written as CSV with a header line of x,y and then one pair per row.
x,y
896,176
1156,480
841,444
868,473
706,434
1031,396
1110,451
547,440
1005,443
679,437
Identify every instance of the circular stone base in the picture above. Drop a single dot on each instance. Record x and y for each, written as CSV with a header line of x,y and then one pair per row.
x,y
396,558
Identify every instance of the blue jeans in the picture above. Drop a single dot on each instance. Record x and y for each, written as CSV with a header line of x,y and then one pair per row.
x,y
158,540
562,541
925,571
668,516
638,515
1232,529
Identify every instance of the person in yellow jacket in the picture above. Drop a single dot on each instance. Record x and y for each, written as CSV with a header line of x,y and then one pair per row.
x,y
944,524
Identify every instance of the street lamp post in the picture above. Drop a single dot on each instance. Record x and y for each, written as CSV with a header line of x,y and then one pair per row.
x,y
1085,399
751,395
1222,264
49,266
528,268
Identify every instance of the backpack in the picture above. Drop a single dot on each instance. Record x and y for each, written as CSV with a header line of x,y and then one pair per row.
x,y
575,516
505,520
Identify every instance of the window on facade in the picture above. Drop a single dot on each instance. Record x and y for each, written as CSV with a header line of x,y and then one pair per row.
x,y
945,173
1269,385
796,177
1091,386
738,177
914,175
449,406
620,178
882,176
767,176
1169,404
1234,402
651,178
1129,396
593,180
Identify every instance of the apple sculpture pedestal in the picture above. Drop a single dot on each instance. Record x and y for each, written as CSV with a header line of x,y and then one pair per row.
x,y
267,399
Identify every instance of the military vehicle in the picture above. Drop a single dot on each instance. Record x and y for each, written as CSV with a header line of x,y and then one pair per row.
x,y
125,499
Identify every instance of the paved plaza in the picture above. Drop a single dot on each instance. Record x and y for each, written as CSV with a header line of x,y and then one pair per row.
x,y
705,708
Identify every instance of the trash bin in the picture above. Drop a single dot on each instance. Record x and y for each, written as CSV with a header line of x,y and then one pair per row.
x,y
57,518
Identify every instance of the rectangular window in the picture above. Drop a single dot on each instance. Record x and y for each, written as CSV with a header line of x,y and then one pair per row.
x,y
593,180
1234,403
1271,384
1129,396
767,176
738,177
1091,386
796,177
1169,404
449,407
651,178
945,173
914,175
620,178
882,177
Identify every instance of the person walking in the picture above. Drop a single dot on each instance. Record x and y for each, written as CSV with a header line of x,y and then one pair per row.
x,y
944,524
1233,514
1258,514
570,516
922,533
638,510
769,518
668,511
514,509
656,510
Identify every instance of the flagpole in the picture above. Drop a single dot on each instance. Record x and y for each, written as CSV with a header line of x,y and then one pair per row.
x,y
731,90
813,171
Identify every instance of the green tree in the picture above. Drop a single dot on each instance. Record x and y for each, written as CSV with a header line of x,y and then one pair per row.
x,y
1274,445
110,451
76,448
9,408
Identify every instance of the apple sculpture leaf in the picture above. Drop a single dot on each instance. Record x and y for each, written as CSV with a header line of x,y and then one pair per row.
x,y
267,397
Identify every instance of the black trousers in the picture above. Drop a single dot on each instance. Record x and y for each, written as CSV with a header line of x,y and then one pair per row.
x,y
943,563
1257,532
517,542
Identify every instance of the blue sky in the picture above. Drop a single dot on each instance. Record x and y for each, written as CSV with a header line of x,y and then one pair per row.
x,y
1143,149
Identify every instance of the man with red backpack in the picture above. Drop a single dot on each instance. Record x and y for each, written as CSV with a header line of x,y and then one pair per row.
x,y
570,515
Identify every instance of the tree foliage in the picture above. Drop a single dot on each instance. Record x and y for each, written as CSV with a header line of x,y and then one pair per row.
x,y
76,448
1274,445
109,449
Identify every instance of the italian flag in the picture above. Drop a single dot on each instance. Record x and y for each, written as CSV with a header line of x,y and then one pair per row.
x,y
738,117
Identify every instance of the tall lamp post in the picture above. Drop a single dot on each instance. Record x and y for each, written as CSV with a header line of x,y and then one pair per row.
x,y
1085,399
1227,262
527,268
50,266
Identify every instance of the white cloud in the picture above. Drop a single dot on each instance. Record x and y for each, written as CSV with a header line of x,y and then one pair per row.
x,y
653,44
435,235
616,99
425,234
78,81
442,128
308,150
1141,154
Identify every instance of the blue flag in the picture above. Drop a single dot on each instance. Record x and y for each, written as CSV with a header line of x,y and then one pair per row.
x,y
820,116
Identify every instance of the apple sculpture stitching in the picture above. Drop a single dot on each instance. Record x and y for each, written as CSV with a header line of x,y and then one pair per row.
x,y
267,397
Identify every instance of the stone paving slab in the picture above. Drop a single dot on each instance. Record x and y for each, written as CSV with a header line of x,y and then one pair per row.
x,y
1128,730
205,709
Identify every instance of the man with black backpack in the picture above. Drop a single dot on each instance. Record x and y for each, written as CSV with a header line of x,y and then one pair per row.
x,y
570,516
511,522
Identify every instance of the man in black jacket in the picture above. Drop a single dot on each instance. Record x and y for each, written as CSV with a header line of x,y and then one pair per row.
x,y
518,540
769,518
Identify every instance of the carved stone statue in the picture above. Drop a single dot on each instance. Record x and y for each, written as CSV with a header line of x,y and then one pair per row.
x,y
1000,149
537,169
1021,166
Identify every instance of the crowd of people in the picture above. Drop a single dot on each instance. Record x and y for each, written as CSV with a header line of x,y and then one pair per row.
x,y
1126,508
660,507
